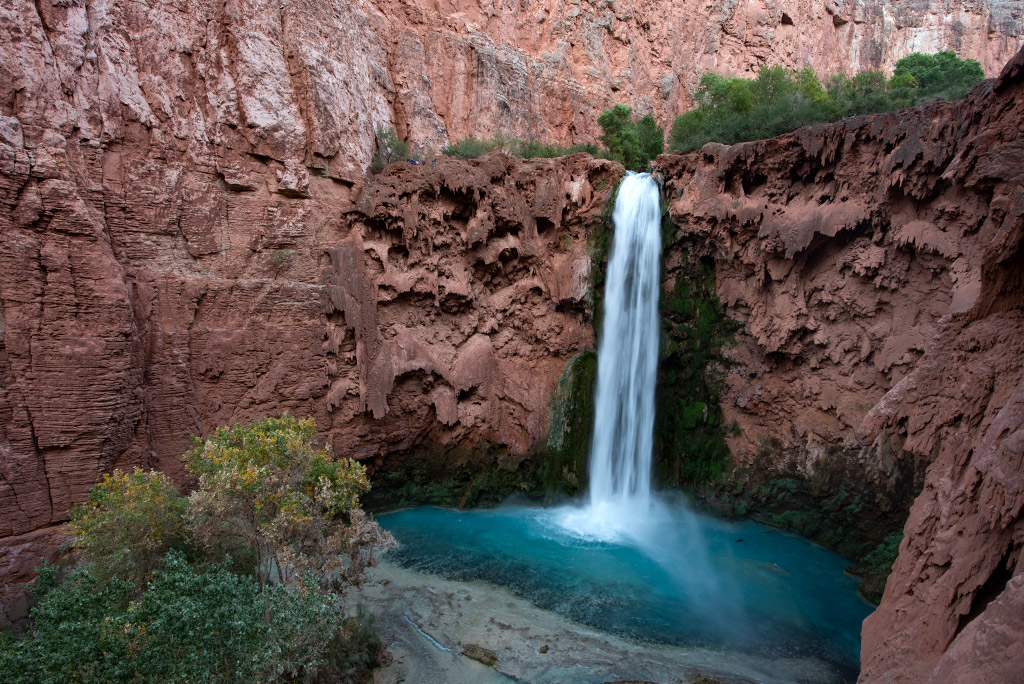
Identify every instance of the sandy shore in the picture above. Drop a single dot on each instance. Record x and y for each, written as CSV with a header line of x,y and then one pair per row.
x,y
427,622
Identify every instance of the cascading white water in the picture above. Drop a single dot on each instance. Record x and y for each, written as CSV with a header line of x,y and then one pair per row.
x,y
627,359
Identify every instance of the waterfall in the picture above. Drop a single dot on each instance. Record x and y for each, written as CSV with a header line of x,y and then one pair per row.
x,y
627,358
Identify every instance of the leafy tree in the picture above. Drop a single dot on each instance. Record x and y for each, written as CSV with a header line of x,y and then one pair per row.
x,y
650,140
634,143
869,92
942,75
732,110
390,148
128,523
268,486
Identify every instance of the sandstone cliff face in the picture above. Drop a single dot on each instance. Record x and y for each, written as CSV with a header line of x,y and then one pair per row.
x,y
307,81
876,264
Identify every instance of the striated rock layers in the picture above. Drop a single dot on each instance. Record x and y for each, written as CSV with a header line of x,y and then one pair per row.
x,y
308,80
877,266
147,296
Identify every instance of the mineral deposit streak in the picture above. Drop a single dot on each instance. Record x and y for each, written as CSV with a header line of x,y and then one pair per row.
x,y
620,461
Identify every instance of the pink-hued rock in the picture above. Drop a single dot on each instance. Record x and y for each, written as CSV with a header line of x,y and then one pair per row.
x,y
188,239
308,81
876,264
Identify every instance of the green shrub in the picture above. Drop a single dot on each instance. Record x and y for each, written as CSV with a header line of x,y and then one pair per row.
x,y
190,626
268,486
390,148
733,110
129,521
633,143
470,148
942,75
127,615
531,149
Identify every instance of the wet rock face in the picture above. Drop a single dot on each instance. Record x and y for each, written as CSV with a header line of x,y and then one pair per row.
x,y
876,265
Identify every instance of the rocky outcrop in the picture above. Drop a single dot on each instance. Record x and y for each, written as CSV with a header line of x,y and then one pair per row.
x,y
876,265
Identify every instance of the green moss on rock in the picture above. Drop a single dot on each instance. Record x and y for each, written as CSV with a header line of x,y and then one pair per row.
x,y
836,505
689,431
465,476
572,423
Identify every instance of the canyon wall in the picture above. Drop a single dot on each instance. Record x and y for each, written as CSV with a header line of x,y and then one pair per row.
x,y
188,238
146,297
877,267
308,80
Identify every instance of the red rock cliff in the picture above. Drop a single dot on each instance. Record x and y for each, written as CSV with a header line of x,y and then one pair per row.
x,y
308,80
146,297
186,240
876,264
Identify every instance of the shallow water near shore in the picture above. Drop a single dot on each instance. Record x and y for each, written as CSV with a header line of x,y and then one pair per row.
x,y
678,578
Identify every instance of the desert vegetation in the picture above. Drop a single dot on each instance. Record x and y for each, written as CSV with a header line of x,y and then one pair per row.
x,y
240,581
779,100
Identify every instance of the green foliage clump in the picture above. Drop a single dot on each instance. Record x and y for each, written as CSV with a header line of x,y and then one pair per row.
x,y
282,257
390,148
689,431
531,149
145,606
470,148
874,568
941,76
128,522
191,625
454,477
778,100
572,424
268,486
633,143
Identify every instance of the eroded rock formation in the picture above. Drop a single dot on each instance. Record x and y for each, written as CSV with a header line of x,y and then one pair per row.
x,y
876,264
186,239
145,299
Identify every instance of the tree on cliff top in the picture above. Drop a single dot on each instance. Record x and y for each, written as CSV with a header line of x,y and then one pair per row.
x,y
268,486
778,100
390,148
634,143
942,75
